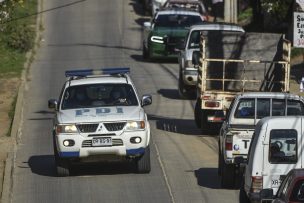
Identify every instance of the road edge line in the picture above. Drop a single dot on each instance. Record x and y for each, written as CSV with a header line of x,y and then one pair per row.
x,y
164,172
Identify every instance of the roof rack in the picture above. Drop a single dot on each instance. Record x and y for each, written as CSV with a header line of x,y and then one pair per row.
x,y
97,72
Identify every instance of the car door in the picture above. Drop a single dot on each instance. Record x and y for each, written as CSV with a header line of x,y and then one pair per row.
x,y
282,151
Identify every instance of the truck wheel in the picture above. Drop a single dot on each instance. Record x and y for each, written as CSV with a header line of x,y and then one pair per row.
x,y
62,165
198,113
143,164
243,198
219,169
204,122
182,90
227,175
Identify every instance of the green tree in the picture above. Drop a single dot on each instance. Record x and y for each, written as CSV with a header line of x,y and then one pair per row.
x,y
277,8
7,8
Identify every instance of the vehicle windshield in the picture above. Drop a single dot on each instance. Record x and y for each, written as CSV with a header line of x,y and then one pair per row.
x,y
176,20
98,95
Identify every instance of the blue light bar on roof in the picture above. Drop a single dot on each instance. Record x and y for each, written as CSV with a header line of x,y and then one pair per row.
x,y
103,71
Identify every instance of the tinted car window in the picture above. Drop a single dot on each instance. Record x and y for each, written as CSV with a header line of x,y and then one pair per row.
x,y
263,108
98,95
194,39
283,146
175,20
245,109
278,107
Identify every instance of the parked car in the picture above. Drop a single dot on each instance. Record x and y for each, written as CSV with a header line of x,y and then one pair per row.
x,y
167,29
195,5
291,190
187,70
276,148
237,130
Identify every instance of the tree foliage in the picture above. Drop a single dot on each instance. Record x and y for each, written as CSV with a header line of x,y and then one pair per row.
x,y
7,8
277,8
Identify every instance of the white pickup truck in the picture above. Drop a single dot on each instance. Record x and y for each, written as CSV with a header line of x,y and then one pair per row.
x,y
238,128
187,70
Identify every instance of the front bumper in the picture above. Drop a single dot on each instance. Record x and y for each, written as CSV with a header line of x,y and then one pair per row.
x,y
83,148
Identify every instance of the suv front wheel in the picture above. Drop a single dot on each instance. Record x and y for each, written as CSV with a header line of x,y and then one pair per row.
x,y
143,164
62,165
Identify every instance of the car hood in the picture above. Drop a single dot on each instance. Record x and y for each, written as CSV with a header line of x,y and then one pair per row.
x,y
174,32
119,113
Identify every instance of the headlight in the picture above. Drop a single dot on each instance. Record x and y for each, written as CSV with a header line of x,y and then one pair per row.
x,y
66,129
135,125
157,39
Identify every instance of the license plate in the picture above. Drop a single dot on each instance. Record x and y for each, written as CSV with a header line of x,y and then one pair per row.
x,y
102,141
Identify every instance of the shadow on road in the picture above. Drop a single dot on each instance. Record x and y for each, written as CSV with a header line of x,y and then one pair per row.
x,y
208,177
138,8
94,45
181,126
44,165
169,93
173,94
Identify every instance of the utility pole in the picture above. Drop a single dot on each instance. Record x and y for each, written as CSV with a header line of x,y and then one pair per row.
x,y
230,11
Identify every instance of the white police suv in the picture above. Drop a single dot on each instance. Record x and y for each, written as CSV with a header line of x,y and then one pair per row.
x,y
99,117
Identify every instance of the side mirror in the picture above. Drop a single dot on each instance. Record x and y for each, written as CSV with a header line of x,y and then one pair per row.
x,y
146,100
266,194
53,104
195,58
147,25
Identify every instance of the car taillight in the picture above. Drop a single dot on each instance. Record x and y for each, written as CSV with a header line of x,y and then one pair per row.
x,y
256,184
212,104
228,143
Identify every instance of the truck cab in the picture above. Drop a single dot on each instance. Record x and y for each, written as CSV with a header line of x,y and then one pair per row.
x,y
276,148
246,110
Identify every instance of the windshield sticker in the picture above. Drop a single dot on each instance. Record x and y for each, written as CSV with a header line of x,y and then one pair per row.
x,y
81,112
102,110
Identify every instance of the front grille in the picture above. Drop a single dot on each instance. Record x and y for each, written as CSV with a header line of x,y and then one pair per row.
x,y
115,126
115,142
87,128
175,40
172,42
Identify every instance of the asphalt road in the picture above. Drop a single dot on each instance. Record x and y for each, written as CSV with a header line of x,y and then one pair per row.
x,y
106,33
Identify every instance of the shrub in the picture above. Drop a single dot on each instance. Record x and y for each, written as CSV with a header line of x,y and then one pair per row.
x,y
18,36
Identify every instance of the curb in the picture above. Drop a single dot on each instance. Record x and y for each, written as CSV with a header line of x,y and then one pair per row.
x,y
7,185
